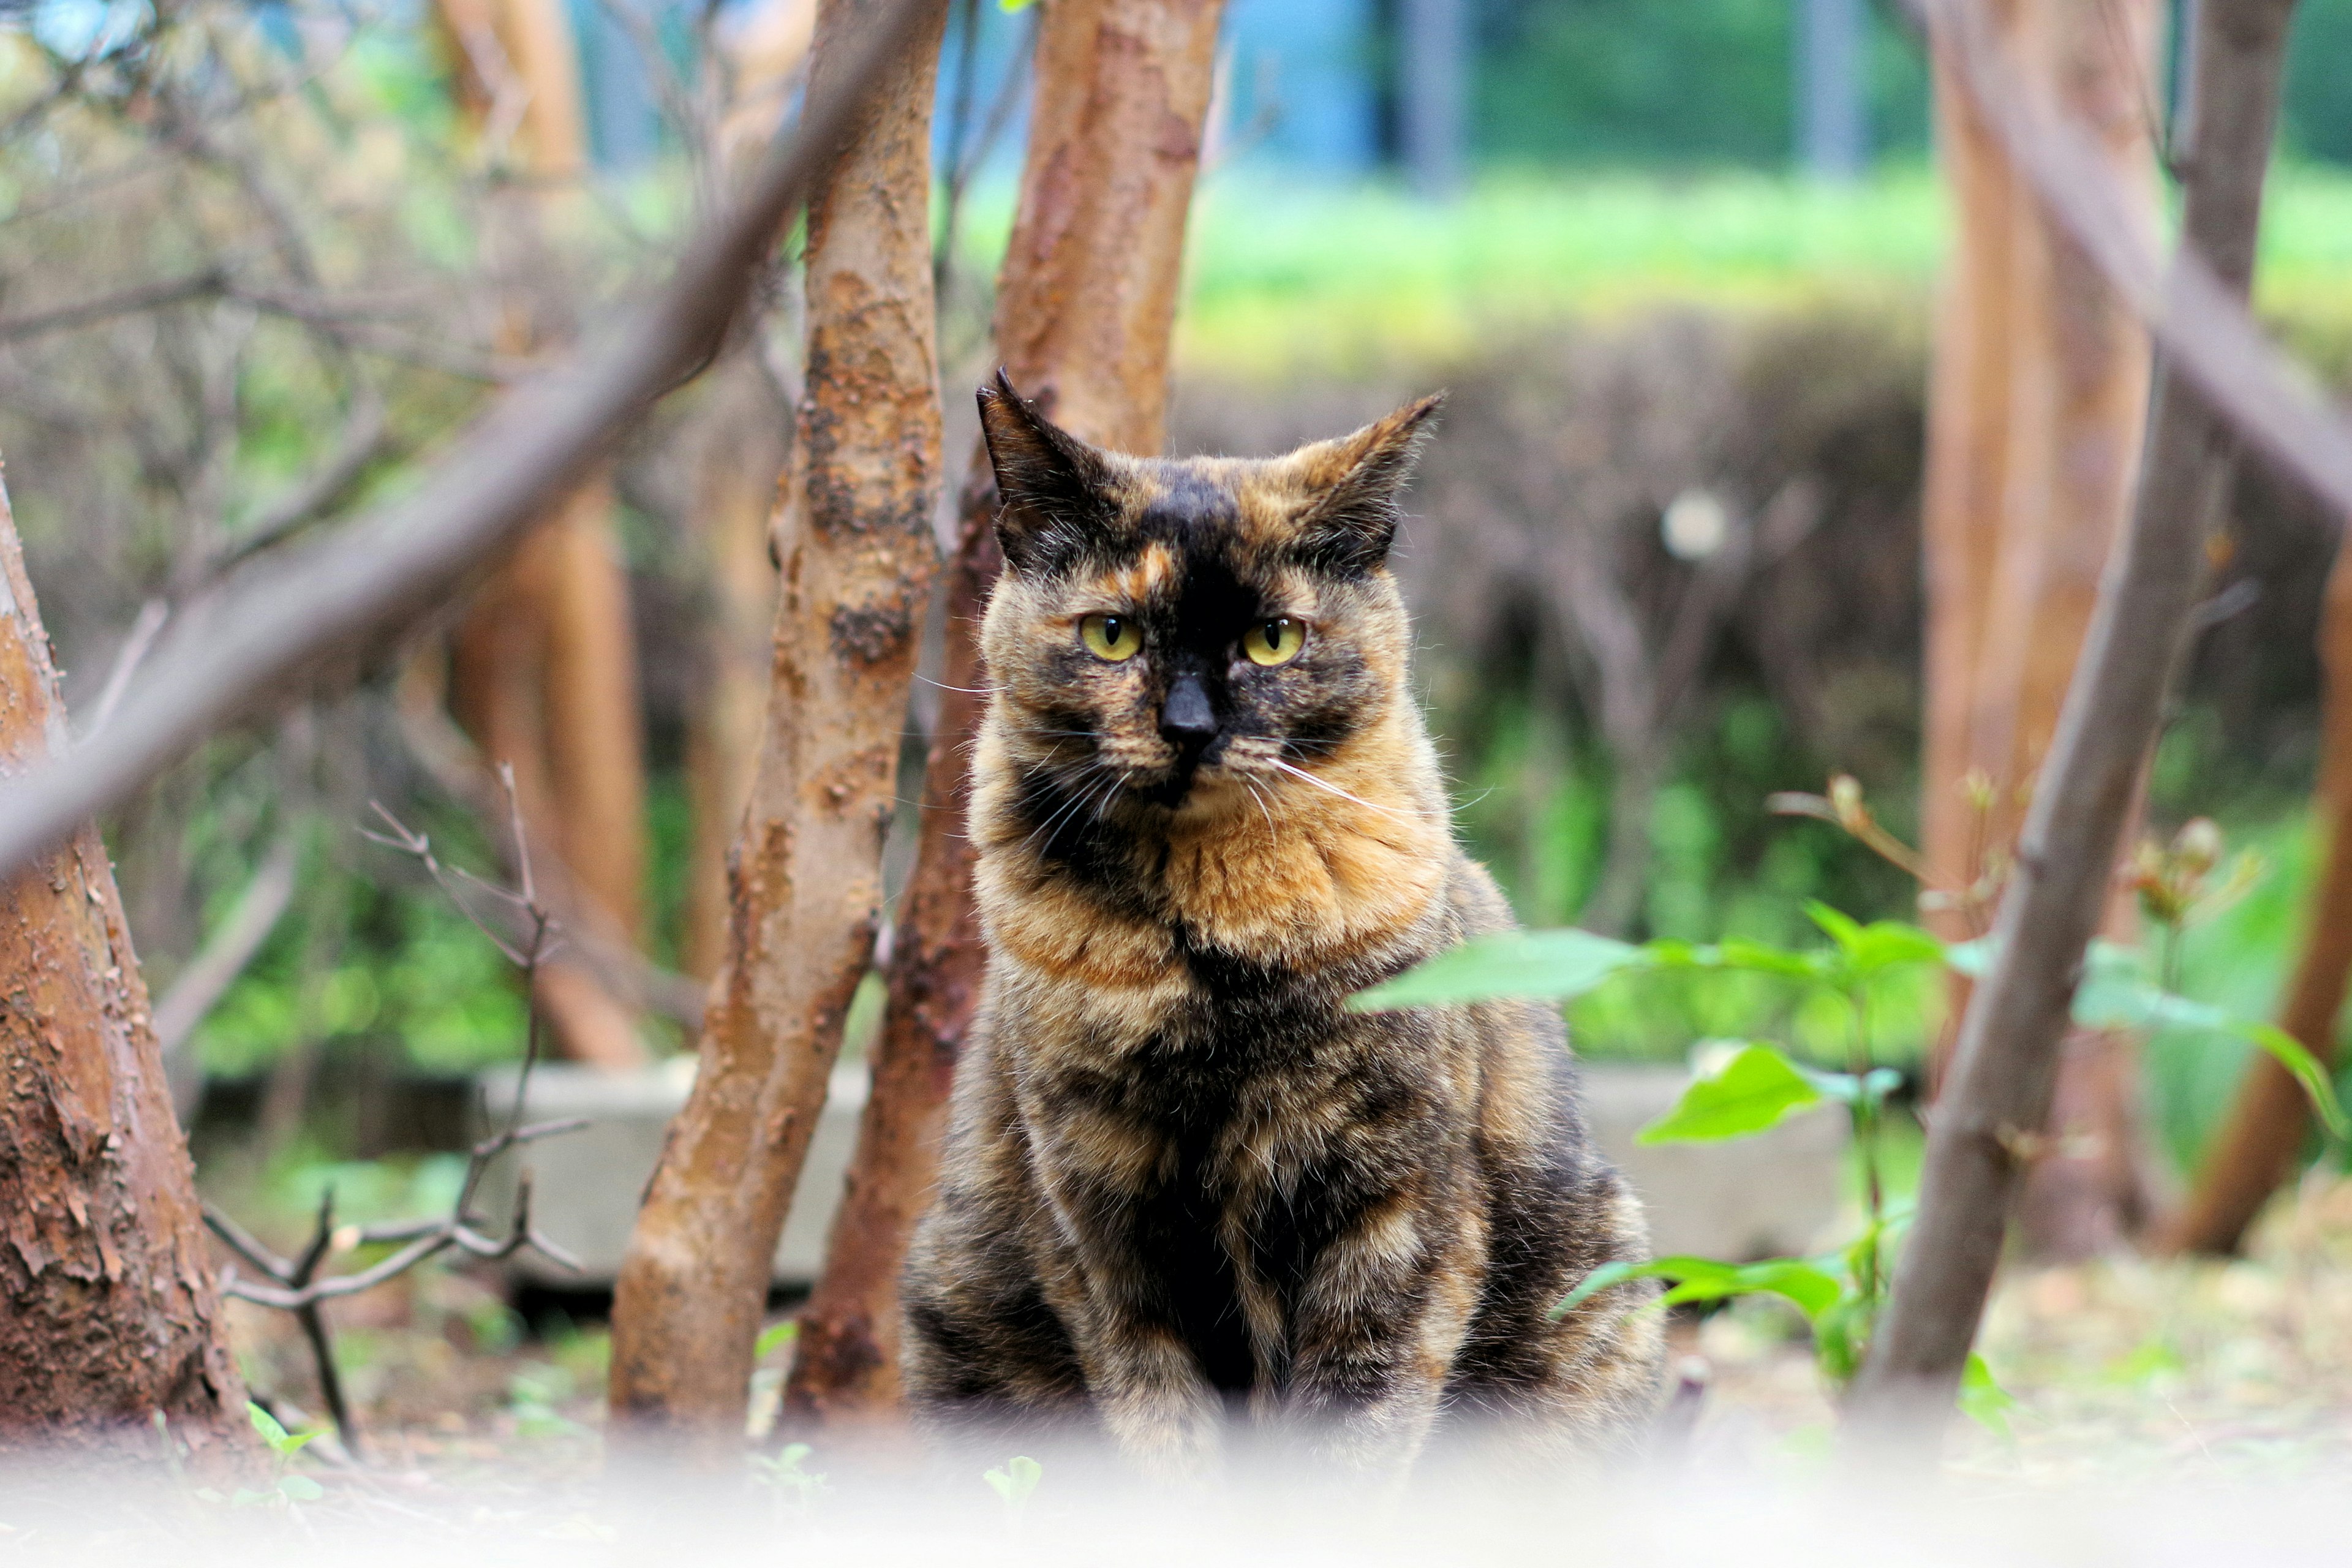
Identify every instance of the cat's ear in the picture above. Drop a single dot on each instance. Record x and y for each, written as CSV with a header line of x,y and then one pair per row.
x,y
1054,489
1352,520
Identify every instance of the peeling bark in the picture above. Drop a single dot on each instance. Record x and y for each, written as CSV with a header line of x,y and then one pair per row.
x,y
1085,303
804,884
108,1311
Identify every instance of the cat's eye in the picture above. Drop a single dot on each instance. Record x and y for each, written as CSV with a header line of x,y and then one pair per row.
x,y
1274,642
1114,638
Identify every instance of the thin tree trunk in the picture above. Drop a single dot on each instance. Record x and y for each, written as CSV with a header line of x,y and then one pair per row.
x,y
108,1312
545,675
2081,432
1085,303
805,884
2038,412
1967,466
2258,1145
1987,1123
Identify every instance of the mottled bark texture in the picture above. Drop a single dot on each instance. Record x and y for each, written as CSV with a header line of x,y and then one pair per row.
x,y
543,669
108,1312
2036,415
1085,303
2264,1137
804,884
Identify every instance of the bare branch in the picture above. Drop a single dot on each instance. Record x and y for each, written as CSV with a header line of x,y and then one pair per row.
x,y
224,955
362,439
210,282
403,560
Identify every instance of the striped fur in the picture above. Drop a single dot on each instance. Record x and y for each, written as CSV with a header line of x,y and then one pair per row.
x,y
1184,1189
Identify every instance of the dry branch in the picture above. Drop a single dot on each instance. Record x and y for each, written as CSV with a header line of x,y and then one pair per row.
x,y
294,1285
303,620
1997,1101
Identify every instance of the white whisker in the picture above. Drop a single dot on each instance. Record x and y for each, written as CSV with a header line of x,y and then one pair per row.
x,y
1327,785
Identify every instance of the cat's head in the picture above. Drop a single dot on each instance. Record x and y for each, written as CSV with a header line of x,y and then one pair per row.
x,y
1173,631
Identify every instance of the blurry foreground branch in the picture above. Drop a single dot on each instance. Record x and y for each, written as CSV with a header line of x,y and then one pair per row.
x,y
339,599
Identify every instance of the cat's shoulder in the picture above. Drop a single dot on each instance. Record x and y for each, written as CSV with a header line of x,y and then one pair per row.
x,y
1474,899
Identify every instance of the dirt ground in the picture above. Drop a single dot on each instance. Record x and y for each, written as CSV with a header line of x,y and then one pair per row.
x,y
2124,1371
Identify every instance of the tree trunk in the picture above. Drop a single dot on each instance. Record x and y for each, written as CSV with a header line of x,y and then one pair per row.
x,y
805,884
1085,304
108,1312
1969,425
2038,409
545,675
2082,419
2258,1145
1981,1137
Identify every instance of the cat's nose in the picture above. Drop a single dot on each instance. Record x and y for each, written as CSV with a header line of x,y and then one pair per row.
x,y
1186,718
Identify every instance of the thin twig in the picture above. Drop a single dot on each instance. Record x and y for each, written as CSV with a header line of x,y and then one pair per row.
x,y
400,564
294,1285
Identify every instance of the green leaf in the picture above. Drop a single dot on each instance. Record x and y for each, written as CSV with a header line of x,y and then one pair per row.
x,y
774,1338
1760,958
1869,950
1869,1089
1017,1481
273,1434
1010,6
1984,1401
301,1488
1811,1288
1749,1094
1972,959
1539,965
2291,1054
1840,927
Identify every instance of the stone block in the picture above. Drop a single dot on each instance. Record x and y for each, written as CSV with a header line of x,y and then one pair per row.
x,y
1779,1193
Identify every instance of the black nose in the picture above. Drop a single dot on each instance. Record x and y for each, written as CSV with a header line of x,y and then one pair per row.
x,y
1186,718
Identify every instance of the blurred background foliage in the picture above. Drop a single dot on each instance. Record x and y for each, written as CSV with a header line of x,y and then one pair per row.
x,y
1635,298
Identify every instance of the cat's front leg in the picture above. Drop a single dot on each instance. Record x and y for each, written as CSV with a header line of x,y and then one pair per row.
x,y
1145,1383
1376,1332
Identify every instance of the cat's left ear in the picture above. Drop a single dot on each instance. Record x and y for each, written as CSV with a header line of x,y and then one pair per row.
x,y
1351,525
1051,486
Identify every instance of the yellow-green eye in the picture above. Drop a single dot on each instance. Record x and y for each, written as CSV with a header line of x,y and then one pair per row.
x,y
1114,638
1274,642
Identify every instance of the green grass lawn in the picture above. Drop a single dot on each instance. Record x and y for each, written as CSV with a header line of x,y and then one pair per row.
x,y
1285,278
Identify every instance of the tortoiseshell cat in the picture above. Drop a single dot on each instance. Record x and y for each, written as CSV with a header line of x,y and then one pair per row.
x,y
1181,1179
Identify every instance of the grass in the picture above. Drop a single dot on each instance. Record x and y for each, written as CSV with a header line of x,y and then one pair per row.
x,y
1285,278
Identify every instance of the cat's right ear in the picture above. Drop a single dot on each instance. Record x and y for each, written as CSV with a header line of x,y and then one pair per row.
x,y
1053,487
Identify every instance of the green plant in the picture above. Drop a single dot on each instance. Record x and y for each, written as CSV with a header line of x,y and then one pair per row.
x,y
784,1474
286,1488
1744,1089
1014,1483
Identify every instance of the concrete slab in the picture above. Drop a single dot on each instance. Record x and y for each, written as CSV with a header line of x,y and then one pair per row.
x,y
586,1185
1752,1198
